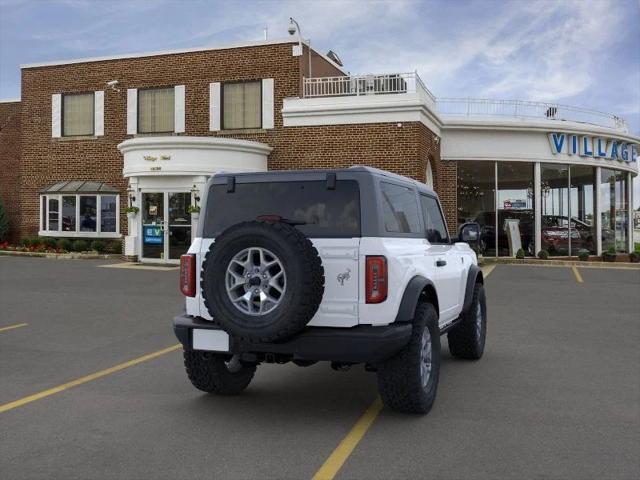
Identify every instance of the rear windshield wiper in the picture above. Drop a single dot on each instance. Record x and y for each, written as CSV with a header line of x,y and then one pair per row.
x,y
278,218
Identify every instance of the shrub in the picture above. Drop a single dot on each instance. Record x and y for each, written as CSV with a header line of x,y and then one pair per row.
x,y
4,223
98,245
520,253
543,254
48,242
115,247
80,246
65,244
635,257
610,254
583,254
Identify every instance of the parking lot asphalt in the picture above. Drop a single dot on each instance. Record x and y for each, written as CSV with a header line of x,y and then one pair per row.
x,y
557,394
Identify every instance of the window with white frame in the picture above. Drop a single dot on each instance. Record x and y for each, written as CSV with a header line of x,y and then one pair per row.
x,y
78,114
242,105
71,209
156,112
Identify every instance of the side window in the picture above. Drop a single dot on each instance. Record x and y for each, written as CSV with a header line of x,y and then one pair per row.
x,y
77,114
436,228
400,209
156,110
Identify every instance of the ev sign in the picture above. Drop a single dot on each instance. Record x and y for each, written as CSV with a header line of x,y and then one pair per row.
x,y
597,147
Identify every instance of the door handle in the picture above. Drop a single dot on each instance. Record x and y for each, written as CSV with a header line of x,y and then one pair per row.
x,y
441,263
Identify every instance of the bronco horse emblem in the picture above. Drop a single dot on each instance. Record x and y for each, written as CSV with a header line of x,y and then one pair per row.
x,y
342,277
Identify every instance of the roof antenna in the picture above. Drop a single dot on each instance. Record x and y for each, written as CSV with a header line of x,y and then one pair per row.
x,y
266,32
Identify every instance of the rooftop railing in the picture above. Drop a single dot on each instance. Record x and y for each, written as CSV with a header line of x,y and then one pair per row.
x,y
478,107
399,83
356,85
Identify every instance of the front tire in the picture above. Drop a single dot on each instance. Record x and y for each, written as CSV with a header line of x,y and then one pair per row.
x,y
216,373
408,381
467,339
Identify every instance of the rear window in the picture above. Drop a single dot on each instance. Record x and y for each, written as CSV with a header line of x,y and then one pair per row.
x,y
320,211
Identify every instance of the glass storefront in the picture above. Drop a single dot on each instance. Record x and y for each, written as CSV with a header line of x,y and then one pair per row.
x,y
476,201
500,196
614,210
568,201
516,219
554,191
582,202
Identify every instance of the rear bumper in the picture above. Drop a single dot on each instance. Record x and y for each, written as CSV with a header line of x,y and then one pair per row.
x,y
363,343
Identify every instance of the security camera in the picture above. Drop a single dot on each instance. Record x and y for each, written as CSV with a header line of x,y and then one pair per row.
x,y
112,85
292,27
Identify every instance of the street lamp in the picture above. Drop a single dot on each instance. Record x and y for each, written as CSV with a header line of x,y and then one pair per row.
x,y
293,28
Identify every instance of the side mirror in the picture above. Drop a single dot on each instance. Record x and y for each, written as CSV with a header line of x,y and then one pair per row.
x,y
469,232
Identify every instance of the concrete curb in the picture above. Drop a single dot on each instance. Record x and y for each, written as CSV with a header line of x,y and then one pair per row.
x,y
63,256
560,263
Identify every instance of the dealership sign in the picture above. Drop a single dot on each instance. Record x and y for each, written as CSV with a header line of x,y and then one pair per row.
x,y
597,147
153,235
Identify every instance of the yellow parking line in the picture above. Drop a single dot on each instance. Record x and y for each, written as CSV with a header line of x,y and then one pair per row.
x,y
487,269
11,327
85,379
577,274
334,463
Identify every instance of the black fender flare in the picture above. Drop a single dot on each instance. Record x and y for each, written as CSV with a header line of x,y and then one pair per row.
x,y
411,297
474,276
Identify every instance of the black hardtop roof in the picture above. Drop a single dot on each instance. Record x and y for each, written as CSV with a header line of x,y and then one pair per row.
x,y
316,174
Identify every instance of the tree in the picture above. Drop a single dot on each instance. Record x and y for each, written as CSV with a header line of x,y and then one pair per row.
x,y
4,222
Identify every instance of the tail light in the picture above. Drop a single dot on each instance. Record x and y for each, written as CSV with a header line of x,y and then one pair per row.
x,y
188,275
376,279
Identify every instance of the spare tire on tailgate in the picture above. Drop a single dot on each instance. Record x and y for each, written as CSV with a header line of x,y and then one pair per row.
x,y
262,281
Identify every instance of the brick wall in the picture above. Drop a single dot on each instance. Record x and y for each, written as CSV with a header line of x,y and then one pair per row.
x,y
444,175
45,160
10,163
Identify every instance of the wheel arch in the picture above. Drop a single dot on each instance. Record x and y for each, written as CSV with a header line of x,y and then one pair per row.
x,y
474,276
418,289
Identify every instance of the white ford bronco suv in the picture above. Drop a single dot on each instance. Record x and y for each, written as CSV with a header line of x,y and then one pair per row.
x,y
349,266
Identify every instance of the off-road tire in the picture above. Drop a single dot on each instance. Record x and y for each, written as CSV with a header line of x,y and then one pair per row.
x,y
466,340
209,372
304,277
399,378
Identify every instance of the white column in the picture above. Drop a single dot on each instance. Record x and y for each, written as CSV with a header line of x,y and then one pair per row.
x,y
598,212
131,240
630,212
537,182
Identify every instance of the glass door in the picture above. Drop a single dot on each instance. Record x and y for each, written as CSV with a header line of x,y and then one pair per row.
x,y
179,231
166,225
153,228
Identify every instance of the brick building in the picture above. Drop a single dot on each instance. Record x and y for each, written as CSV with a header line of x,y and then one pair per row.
x,y
91,137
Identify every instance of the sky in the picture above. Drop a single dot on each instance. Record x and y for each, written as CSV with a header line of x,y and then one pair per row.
x,y
577,52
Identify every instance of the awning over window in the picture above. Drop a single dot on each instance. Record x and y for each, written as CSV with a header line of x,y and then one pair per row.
x,y
80,186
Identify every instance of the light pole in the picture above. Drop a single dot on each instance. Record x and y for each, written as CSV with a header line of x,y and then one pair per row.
x,y
293,28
